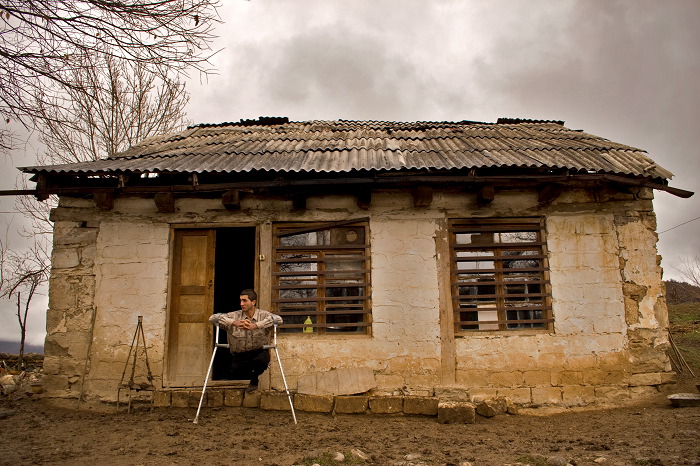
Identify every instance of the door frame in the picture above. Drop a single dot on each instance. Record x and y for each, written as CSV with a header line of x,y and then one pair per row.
x,y
264,297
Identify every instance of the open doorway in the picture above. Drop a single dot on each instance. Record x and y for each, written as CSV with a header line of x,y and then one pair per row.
x,y
234,270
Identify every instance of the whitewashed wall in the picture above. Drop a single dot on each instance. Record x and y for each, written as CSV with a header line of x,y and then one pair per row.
x,y
610,317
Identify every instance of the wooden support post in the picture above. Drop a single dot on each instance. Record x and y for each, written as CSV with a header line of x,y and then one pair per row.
x,y
422,196
231,199
104,200
165,202
485,195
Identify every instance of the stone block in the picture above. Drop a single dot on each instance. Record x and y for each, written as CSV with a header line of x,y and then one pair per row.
x,y
492,407
643,392
578,395
481,394
65,258
516,395
604,377
389,382
314,403
485,409
185,398
386,404
162,398
651,361
472,378
668,377
507,379
274,401
252,400
54,383
537,378
52,365
456,412
654,378
450,393
569,378
547,395
351,404
426,406
612,393
233,397
214,398
349,381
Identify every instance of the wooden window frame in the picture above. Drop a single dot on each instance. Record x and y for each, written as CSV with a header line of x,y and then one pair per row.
x,y
327,271
493,302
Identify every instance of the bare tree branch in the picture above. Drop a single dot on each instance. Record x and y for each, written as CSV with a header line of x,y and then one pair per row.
x,y
690,269
43,43
127,103
22,273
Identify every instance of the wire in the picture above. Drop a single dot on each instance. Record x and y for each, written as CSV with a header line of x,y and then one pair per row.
x,y
681,224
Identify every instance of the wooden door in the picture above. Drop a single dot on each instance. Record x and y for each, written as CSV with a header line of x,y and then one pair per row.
x,y
192,303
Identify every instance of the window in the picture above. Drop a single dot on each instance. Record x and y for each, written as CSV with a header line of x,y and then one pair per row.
x,y
321,277
500,275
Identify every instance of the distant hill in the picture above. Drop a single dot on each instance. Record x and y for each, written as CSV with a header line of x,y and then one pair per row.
x,y
12,347
681,292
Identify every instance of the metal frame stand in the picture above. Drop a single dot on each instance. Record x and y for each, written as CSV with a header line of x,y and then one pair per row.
x,y
284,379
131,385
218,345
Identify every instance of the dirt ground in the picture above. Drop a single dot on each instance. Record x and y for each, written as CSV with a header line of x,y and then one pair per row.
x,y
32,431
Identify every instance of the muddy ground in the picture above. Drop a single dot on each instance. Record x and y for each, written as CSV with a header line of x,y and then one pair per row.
x,y
32,431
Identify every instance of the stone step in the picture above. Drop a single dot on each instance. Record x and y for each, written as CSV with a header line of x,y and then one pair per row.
x,y
446,411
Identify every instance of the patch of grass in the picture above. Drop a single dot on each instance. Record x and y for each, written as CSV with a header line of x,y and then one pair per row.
x,y
684,314
685,329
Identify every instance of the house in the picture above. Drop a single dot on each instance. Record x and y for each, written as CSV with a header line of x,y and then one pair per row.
x,y
515,258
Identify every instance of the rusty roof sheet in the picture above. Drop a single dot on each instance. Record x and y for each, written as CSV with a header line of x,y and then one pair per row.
x,y
343,146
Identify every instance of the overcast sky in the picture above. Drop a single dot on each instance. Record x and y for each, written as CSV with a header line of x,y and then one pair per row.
x,y
624,70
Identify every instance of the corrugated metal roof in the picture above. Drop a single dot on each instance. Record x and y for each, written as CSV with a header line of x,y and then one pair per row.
x,y
344,146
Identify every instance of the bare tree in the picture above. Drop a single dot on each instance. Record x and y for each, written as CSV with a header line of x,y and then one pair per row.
x,y
132,103
690,269
43,43
21,275
129,103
